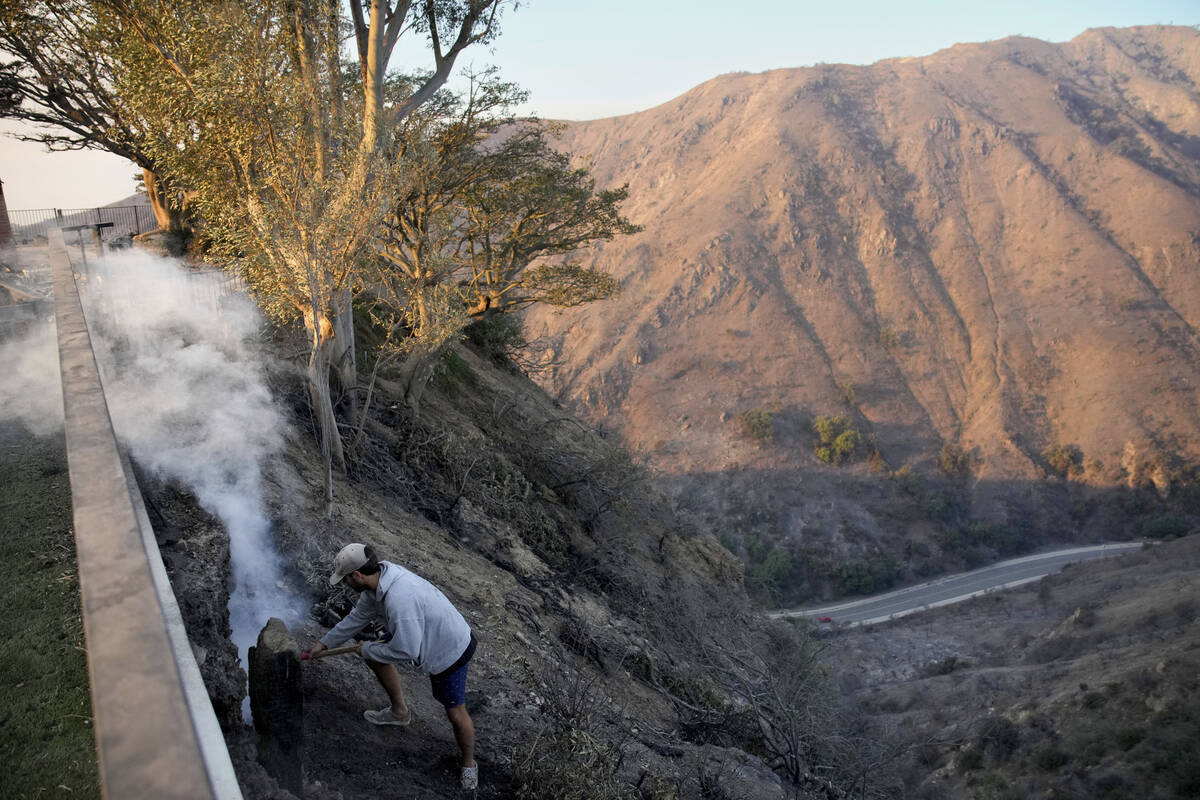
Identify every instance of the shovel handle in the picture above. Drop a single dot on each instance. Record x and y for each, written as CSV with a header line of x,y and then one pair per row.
x,y
336,651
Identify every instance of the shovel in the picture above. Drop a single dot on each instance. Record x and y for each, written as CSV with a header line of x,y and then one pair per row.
x,y
336,651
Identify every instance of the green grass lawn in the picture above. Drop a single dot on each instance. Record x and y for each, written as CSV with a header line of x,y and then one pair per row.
x,y
47,746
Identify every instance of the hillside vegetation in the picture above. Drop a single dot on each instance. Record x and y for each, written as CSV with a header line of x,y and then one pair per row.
x,y
982,260
618,655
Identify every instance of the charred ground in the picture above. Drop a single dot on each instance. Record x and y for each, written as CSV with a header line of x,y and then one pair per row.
x,y
618,656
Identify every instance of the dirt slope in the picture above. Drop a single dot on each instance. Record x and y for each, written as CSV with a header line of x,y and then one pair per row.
x,y
1083,685
597,608
994,247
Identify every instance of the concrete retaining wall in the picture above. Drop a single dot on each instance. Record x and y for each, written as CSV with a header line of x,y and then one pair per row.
x,y
156,733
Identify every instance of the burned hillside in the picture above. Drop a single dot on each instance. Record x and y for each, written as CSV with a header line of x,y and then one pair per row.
x,y
618,654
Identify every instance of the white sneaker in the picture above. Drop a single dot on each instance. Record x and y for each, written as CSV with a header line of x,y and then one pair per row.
x,y
470,777
384,716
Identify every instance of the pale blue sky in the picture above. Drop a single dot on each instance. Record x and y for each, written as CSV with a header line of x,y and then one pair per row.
x,y
582,60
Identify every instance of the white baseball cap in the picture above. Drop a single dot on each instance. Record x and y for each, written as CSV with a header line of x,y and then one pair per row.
x,y
350,558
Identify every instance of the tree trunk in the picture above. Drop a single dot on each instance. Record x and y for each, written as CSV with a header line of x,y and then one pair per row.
x,y
343,356
166,213
322,408
415,373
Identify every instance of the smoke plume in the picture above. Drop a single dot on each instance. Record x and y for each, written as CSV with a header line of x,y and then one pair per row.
x,y
30,388
186,390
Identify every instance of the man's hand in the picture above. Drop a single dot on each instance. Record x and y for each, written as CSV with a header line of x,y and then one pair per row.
x,y
317,648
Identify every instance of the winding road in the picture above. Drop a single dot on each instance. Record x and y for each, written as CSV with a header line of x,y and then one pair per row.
x,y
956,588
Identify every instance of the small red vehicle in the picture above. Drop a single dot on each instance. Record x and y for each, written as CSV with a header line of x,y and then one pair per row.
x,y
825,619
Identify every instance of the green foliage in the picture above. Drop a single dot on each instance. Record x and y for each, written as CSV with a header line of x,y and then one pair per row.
x,y
61,57
490,192
1064,459
867,576
846,394
908,481
498,336
979,542
953,460
455,371
1134,502
943,506
1006,540
1166,526
487,223
836,440
754,424
770,572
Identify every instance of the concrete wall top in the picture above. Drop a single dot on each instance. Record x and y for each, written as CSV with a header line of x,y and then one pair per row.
x,y
147,740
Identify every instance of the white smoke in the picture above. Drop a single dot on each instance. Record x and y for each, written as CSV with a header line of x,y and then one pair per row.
x,y
30,385
186,390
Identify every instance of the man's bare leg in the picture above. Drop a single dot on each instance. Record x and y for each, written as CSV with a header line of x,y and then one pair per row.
x,y
389,678
464,733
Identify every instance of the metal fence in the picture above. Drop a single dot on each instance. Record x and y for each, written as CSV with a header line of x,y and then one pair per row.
x,y
29,226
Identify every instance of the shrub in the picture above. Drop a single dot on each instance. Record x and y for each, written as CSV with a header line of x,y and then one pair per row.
x,y
970,759
1000,736
755,424
869,575
846,393
953,460
1049,757
941,506
1005,540
1127,738
570,759
1165,527
454,371
768,578
498,336
1064,459
836,440
980,542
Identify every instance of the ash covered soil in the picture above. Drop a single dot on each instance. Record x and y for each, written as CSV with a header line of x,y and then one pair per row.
x,y
601,612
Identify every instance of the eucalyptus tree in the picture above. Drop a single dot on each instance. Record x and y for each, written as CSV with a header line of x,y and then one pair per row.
x,y
58,59
289,152
488,222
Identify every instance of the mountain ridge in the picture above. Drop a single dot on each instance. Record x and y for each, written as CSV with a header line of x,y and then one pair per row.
x,y
989,252
986,247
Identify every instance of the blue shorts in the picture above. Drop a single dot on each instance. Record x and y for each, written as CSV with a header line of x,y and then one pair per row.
x,y
450,687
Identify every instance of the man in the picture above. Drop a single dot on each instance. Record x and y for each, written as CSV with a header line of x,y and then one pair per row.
x,y
426,631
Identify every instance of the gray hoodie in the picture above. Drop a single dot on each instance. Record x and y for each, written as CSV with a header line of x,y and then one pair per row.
x,y
426,629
